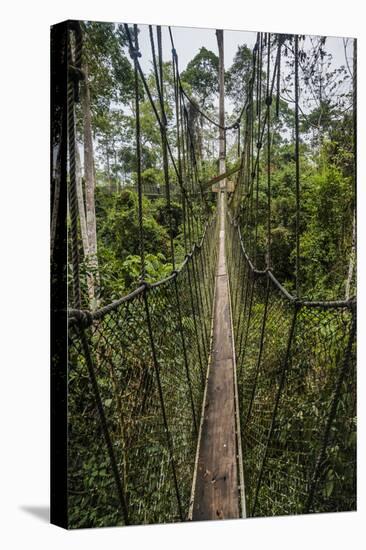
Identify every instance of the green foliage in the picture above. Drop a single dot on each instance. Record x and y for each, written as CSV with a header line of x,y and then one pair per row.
x,y
166,216
326,239
202,75
326,208
156,266
119,244
119,229
111,73
238,76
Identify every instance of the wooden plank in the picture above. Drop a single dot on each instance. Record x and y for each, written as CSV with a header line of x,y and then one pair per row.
x,y
220,177
216,494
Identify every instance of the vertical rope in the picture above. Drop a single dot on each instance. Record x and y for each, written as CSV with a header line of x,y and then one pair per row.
x,y
275,408
134,54
186,211
268,103
332,414
238,261
75,72
74,63
107,437
178,142
162,405
199,302
158,82
182,125
158,71
185,356
261,344
297,165
251,171
259,140
243,345
195,322
244,284
260,73
355,136
164,145
279,38
355,111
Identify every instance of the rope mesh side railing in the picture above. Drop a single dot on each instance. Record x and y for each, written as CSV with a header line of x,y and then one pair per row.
x,y
154,450
294,378
296,359
138,365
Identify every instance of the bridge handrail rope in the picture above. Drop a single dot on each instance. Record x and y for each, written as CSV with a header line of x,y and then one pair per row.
x,y
350,302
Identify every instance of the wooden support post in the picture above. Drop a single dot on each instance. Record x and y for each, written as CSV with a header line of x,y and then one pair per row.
x,y
220,42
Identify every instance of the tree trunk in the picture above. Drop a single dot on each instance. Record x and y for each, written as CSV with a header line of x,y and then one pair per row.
x,y
220,43
89,191
83,226
108,169
352,258
81,205
56,199
200,139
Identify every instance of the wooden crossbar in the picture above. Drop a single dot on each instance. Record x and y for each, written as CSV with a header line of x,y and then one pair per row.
x,y
205,186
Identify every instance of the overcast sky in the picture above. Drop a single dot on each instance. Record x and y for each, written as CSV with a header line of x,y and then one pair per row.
x,y
188,41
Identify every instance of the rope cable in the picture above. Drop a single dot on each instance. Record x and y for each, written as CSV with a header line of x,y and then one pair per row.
x,y
269,103
297,165
138,160
232,126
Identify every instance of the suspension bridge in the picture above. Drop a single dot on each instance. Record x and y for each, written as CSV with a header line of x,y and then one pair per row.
x,y
214,393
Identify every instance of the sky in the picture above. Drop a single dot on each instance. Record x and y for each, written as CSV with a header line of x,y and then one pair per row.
x,y
189,40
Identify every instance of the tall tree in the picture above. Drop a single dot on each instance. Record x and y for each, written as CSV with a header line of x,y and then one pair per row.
x,y
202,75
89,173
221,79
81,204
238,76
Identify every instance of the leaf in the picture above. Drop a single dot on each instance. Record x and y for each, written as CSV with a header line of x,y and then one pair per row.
x,y
328,489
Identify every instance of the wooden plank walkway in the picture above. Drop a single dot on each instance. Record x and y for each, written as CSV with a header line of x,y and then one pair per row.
x,y
216,491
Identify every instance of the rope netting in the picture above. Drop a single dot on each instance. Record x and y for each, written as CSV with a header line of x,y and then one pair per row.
x,y
296,358
297,394
149,353
137,366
